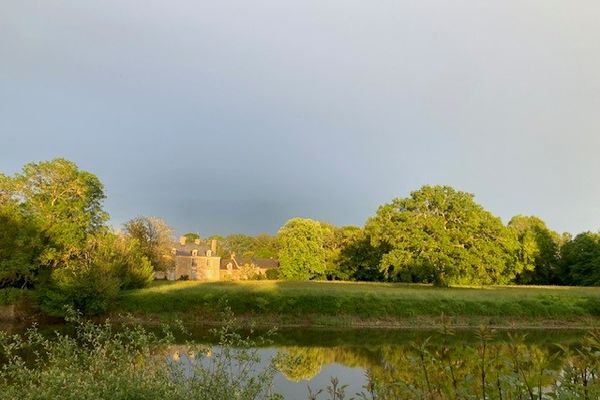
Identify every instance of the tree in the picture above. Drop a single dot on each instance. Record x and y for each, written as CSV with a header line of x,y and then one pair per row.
x,y
263,245
191,237
47,212
53,237
442,236
539,250
128,262
299,363
336,240
301,252
107,263
65,203
155,238
359,260
20,243
580,260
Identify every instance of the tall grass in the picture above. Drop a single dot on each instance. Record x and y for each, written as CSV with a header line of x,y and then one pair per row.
x,y
98,361
335,302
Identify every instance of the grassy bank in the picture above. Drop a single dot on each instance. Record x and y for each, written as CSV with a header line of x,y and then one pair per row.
x,y
365,304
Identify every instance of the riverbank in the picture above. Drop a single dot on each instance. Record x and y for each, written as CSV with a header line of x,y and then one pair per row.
x,y
364,305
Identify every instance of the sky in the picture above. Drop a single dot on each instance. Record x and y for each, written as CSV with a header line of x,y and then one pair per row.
x,y
234,116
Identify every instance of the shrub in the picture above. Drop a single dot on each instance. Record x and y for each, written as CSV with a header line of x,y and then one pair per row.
x,y
273,274
98,362
10,296
90,288
91,282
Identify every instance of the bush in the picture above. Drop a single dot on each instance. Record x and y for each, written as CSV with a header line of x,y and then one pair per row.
x,y
131,267
92,281
273,274
10,296
92,289
98,362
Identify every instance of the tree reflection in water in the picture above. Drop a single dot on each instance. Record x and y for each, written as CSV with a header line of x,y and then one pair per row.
x,y
486,368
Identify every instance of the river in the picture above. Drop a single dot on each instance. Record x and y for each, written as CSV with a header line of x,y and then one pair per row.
x,y
310,358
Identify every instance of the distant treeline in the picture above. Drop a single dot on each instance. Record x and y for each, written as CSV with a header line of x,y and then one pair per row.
x,y
54,238
436,235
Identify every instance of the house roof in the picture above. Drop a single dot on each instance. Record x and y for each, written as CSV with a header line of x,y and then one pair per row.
x,y
186,249
266,263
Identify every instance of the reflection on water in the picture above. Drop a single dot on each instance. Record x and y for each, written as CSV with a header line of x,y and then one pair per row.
x,y
416,361
411,363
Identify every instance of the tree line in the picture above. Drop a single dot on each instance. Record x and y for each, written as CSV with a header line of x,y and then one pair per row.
x,y
441,236
54,237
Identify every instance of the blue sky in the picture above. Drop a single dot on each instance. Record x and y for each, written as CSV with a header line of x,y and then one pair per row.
x,y
234,116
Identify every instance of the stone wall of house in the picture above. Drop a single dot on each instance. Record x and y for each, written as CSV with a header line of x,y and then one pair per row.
x,y
198,268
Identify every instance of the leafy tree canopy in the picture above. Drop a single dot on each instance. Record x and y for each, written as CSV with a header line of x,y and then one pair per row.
x,y
301,249
539,250
441,235
57,205
580,260
262,245
191,237
155,238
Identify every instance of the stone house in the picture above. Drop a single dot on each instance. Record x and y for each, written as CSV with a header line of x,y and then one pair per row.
x,y
195,261
199,262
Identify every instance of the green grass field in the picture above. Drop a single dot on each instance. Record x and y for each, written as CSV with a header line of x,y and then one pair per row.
x,y
317,303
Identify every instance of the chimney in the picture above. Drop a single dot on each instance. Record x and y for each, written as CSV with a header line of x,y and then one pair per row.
x,y
182,240
213,246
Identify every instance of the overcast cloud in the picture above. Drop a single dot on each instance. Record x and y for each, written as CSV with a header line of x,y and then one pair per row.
x,y
233,116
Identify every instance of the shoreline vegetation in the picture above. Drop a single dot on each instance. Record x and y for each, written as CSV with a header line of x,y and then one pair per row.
x,y
322,304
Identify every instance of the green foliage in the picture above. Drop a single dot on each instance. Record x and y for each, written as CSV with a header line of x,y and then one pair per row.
x,y
100,362
64,203
53,237
89,287
108,264
10,295
487,367
580,260
301,249
20,246
261,246
539,250
359,260
125,259
442,236
273,274
335,241
155,239
190,237
47,213
299,363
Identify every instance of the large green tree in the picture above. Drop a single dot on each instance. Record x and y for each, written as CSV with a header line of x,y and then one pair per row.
x,y
47,212
580,260
359,260
64,202
539,250
441,235
336,241
20,240
301,249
